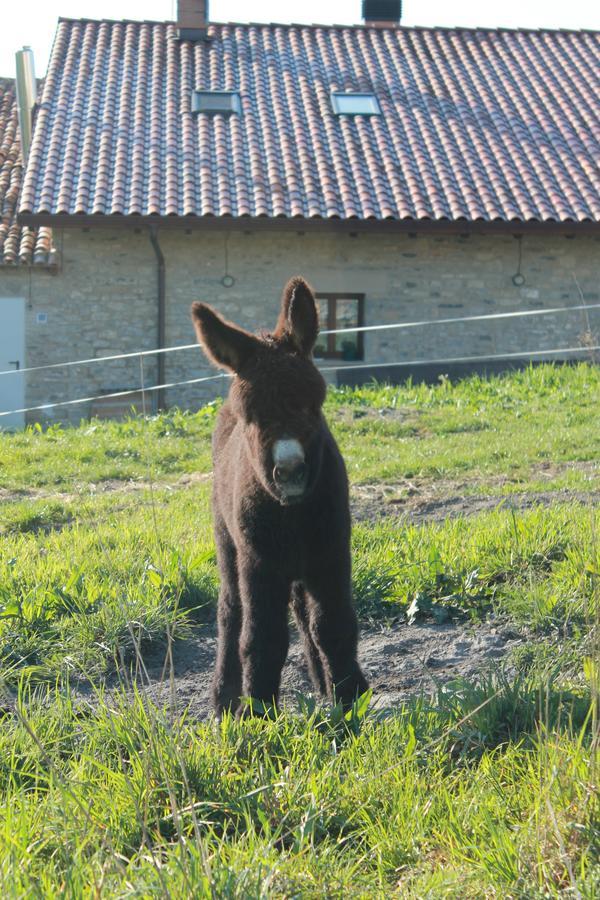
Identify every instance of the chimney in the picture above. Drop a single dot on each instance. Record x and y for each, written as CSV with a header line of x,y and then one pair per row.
x,y
382,13
192,19
26,97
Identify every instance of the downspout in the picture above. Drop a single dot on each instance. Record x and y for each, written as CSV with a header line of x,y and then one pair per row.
x,y
161,315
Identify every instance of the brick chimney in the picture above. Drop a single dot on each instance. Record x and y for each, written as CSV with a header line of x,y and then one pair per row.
x,y
382,13
192,19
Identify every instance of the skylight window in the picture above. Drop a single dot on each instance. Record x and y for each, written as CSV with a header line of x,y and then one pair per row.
x,y
213,102
355,105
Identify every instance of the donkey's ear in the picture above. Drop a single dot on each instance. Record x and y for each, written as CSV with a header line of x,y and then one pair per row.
x,y
298,318
224,343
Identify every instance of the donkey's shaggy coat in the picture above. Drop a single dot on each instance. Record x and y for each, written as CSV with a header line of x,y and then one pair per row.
x,y
281,514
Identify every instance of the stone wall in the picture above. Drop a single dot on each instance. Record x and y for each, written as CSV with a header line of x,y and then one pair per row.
x,y
103,299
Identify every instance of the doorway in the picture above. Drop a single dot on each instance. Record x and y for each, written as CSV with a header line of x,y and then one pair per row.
x,y
12,357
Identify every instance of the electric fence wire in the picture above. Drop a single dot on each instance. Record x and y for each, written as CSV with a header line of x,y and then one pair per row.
x,y
350,330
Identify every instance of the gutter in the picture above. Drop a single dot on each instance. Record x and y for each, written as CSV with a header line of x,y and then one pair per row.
x,y
315,224
161,315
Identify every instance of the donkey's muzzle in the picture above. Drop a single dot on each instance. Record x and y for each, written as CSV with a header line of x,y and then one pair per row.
x,y
290,472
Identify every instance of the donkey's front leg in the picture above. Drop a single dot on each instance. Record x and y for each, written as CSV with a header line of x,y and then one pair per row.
x,y
227,681
265,638
334,629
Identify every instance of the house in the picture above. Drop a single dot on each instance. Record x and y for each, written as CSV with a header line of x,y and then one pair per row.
x,y
409,173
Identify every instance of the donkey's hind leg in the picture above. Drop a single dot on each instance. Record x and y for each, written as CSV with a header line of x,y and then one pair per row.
x,y
301,611
227,681
334,629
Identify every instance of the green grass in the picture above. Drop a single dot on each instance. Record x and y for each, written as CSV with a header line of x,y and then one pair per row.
x,y
507,425
116,575
485,789
65,459
123,570
540,568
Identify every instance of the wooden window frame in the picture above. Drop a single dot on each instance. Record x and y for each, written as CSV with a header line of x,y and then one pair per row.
x,y
331,323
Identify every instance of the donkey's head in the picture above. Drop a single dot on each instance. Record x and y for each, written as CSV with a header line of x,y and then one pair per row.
x,y
277,391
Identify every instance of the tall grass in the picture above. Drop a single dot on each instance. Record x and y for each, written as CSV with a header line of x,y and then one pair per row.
x,y
489,791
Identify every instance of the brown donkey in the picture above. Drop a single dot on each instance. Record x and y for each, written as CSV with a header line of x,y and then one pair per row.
x,y
281,514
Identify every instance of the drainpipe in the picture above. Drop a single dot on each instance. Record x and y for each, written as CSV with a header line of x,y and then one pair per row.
x,y
161,315
26,97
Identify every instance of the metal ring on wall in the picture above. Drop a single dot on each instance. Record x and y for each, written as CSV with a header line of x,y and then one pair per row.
x,y
228,281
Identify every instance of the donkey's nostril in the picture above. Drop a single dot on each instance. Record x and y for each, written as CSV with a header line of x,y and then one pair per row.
x,y
286,474
299,472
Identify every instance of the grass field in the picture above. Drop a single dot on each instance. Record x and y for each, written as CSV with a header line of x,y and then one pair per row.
x,y
483,788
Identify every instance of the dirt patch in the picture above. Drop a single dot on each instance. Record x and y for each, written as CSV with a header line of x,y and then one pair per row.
x,y
399,662
420,500
411,500
552,469
372,506
407,493
109,486
349,414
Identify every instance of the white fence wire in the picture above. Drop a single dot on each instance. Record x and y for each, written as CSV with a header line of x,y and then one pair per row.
x,y
141,390
351,330
526,354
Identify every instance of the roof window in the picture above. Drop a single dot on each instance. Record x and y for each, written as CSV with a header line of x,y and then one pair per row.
x,y
213,102
355,105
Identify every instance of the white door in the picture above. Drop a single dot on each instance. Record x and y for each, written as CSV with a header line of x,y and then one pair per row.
x,y
12,356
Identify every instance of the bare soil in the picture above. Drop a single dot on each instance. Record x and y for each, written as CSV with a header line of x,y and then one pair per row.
x,y
399,661
372,502
107,486
421,500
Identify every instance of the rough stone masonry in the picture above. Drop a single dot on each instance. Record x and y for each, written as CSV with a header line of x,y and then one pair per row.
x,y
103,299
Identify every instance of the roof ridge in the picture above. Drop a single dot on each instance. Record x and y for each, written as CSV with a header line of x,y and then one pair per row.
x,y
361,26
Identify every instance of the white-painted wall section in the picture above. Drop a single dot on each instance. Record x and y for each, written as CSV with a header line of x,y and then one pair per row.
x,y
12,356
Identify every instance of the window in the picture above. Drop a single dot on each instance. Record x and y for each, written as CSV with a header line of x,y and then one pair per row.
x,y
340,311
213,102
355,105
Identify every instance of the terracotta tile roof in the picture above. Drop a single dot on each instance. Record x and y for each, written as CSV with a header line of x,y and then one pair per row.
x,y
476,124
18,244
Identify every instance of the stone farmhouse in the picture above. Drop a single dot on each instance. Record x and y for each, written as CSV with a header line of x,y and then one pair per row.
x,y
408,173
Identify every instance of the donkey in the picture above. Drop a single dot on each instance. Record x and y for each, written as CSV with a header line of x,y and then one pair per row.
x,y
281,513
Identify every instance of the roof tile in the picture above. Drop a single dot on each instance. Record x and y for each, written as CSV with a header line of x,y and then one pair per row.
x,y
18,245
476,124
